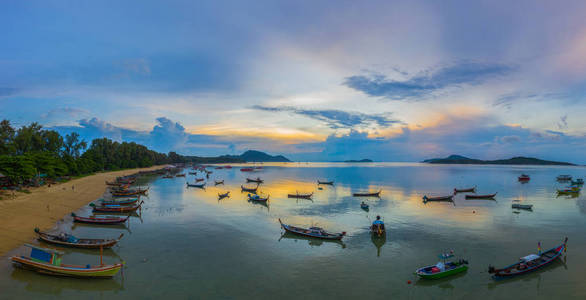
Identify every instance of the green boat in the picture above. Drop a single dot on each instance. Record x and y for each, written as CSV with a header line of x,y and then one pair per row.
x,y
443,269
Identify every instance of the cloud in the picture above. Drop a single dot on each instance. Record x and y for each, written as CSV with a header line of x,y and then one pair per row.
x,y
510,139
563,123
337,119
69,111
429,81
167,135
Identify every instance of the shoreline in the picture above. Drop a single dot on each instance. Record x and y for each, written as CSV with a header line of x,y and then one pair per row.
x,y
45,206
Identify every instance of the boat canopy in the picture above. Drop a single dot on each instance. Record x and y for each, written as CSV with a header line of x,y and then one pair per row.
x,y
529,257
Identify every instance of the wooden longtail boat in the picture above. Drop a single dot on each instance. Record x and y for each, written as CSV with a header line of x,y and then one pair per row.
x,y
564,178
201,186
378,230
367,194
487,196
569,191
249,189
180,175
228,167
246,170
116,208
443,269
257,180
468,190
169,176
216,182
199,179
130,192
522,206
297,195
440,198
529,263
255,197
315,232
102,221
224,195
325,182
524,178
64,239
48,261
364,206
192,173
128,201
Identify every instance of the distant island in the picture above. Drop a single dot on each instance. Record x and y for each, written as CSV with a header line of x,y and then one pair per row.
x,y
458,159
366,160
248,156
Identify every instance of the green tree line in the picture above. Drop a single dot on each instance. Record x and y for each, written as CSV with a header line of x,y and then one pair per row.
x,y
30,151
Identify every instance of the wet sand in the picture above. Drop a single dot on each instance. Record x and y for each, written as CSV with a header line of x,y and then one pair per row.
x,y
45,206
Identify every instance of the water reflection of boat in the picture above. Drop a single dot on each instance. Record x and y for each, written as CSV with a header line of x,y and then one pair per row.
x,y
41,284
379,241
311,241
442,283
259,203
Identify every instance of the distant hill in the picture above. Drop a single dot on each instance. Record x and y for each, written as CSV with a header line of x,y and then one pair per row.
x,y
257,156
458,159
366,160
248,156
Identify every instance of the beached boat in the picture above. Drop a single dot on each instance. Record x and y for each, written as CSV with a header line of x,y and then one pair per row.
x,y
224,195
364,206
439,198
564,178
48,261
257,180
99,220
246,170
297,195
325,182
524,178
443,269
201,185
367,194
116,208
249,189
487,196
529,263
255,197
313,231
216,182
128,201
68,240
522,206
468,190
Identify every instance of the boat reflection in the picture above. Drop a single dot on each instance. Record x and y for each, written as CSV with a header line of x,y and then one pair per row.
x,y
49,285
311,241
116,226
260,203
379,242
442,283
558,264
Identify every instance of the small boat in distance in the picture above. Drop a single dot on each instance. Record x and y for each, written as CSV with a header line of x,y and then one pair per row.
x,y
99,220
564,178
468,190
325,182
224,195
487,196
297,195
68,240
440,198
128,201
313,231
257,180
364,206
199,179
48,261
249,189
180,175
246,170
367,194
195,185
524,178
217,182
522,206
530,262
255,197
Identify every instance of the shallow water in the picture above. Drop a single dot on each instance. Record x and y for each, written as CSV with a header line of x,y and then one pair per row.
x,y
188,244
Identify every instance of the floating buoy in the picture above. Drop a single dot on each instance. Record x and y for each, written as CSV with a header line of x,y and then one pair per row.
x,y
408,281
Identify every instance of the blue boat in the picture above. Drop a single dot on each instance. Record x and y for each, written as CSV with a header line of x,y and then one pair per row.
x,y
315,232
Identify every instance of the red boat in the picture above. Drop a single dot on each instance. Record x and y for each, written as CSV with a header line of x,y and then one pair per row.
x,y
228,167
524,177
529,263
102,221
246,170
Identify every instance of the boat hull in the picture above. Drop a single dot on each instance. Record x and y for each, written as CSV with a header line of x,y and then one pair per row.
x,y
454,271
506,272
105,271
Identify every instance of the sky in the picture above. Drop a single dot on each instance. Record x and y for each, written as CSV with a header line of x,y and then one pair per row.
x,y
318,81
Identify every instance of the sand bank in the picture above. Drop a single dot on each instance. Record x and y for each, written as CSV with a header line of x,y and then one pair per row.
x,y
44,206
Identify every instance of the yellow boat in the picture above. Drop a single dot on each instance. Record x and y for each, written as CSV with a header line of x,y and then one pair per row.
x,y
48,261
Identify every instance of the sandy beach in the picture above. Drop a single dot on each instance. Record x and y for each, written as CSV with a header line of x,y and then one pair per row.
x,y
44,206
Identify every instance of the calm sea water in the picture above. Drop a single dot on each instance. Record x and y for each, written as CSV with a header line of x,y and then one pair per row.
x,y
188,244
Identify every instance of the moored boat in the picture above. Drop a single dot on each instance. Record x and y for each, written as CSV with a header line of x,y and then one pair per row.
x,y
468,190
249,189
48,261
216,182
564,178
297,195
522,206
325,182
529,263
68,240
367,194
578,181
524,178
199,179
569,191
127,193
487,196
128,201
364,206
257,180
113,208
439,198
195,185
255,197
180,175
246,170
443,269
313,231
99,220
224,195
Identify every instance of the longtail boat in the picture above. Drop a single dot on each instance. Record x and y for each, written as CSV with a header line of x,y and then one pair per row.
x,y
440,198
180,175
313,231
257,180
468,190
218,168
530,262
102,221
255,197
378,230
64,239
364,206
249,189
128,201
524,178
569,191
130,192
297,195
246,170
48,261
443,269
228,167
367,194
217,182
116,208
192,173
224,195
578,181
522,206
564,178
325,182
169,176
487,196
201,186
199,179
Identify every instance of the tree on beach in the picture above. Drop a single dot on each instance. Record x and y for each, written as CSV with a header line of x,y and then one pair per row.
x,y
6,138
